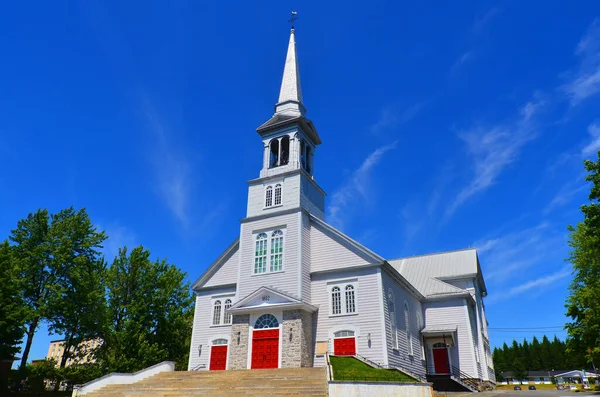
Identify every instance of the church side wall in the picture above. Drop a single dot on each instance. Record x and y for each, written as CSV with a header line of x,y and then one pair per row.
x,y
366,321
328,251
203,332
453,313
227,273
400,357
290,195
286,280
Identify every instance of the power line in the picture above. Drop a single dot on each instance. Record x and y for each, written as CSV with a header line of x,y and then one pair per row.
x,y
527,328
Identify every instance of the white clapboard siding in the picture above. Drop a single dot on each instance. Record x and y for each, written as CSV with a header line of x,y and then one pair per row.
x,y
400,357
312,199
306,288
227,273
453,313
366,321
287,280
290,195
329,251
203,332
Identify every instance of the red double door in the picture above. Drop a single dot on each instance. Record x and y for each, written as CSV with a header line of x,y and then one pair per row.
x,y
265,349
218,357
344,346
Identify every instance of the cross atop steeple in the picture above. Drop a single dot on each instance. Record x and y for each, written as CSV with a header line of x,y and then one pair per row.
x,y
293,18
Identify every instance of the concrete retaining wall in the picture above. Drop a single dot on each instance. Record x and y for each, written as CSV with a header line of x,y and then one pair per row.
x,y
372,389
122,379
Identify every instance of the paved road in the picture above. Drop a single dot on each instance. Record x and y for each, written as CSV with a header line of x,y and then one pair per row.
x,y
529,393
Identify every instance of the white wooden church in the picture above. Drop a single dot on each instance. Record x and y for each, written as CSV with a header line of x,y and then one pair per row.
x,y
292,288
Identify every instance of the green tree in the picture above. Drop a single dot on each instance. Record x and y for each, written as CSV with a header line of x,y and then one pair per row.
x,y
583,302
79,289
536,350
518,369
32,253
149,314
12,309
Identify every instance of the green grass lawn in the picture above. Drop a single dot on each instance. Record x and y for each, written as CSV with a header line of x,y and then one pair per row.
x,y
349,368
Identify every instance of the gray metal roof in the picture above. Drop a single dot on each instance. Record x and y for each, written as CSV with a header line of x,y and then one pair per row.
x,y
427,272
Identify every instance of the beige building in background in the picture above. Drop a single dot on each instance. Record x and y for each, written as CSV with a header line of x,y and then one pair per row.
x,y
83,354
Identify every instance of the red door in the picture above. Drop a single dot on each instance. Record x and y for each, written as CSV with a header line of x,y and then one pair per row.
x,y
218,357
344,346
440,360
265,349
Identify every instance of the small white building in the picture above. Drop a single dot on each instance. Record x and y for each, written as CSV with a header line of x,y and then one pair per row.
x,y
291,287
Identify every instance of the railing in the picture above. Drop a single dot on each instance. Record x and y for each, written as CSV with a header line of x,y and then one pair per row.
x,y
370,362
465,377
458,375
199,367
400,369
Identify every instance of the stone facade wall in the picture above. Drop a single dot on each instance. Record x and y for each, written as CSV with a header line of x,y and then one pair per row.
x,y
297,335
308,341
238,347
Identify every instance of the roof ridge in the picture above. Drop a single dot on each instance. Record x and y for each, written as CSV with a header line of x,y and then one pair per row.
x,y
433,254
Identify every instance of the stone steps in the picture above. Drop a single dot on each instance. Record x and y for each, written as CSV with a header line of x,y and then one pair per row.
x,y
284,382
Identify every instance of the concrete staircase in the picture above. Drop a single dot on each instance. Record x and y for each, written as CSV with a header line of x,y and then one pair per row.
x,y
283,382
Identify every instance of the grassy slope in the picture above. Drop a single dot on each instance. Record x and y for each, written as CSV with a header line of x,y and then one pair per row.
x,y
349,368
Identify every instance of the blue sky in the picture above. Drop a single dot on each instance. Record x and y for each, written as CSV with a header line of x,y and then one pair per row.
x,y
445,125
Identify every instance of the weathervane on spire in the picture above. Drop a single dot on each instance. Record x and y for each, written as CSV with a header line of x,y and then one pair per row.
x,y
294,18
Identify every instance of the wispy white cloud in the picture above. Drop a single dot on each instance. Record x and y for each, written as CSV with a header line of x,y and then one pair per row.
x,y
171,167
566,193
536,284
119,236
484,20
585,81
518,250
461,61
356,189
491,150
394,115
592,148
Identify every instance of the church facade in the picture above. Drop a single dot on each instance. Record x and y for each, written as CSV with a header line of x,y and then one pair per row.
x,y
292,288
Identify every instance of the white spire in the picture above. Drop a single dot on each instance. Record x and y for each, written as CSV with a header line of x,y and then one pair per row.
x,y
290,95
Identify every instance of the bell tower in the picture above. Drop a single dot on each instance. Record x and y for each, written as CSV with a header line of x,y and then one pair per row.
x,y
289,140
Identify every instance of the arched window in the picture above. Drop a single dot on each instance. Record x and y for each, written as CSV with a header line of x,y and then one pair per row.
x,y
278,194
276,251
226,315
266,321
408,333
269,196
439,345
392,313
274,153
350,304
336,301
219,341
260,254
285,150
343,334
217,313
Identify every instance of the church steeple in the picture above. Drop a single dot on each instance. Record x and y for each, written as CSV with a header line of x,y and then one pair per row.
x,y
286,179
290,94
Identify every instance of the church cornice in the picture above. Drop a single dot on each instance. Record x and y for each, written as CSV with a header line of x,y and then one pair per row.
x,y
263,179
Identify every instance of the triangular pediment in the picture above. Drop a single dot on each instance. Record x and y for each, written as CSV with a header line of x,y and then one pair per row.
x,y
268,297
